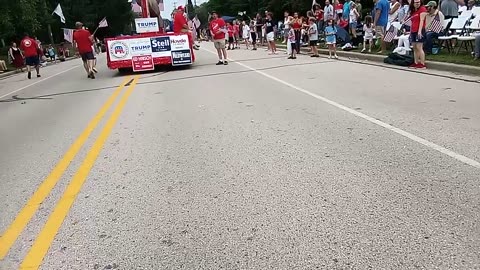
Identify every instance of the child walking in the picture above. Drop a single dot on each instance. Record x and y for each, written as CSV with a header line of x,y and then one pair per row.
x,y
313,36
236,33
292,41
368,34
331,39
245,33
253,34
231,38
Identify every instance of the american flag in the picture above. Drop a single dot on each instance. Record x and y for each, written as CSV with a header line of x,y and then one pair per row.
x,y
408,22
435,26
391,34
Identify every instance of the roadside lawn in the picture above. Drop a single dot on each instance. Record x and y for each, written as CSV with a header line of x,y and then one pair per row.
x,y
462,58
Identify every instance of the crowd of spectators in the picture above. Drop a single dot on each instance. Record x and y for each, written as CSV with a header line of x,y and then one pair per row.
x,y
48,53
414,24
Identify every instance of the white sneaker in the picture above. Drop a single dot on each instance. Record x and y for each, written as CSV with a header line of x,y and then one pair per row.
x,y
336,57
329,57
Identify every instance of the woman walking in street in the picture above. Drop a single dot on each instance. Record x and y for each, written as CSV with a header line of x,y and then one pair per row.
x,y
269,30
17,57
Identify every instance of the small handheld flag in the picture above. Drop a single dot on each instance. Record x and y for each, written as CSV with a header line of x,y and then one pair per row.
x,y
103,23
391,34
68,35
436,26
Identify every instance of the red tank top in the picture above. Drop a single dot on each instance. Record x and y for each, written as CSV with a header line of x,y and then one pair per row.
x,y
296,24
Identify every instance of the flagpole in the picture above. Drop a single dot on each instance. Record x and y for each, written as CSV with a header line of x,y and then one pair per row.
x,y
95,30
50,35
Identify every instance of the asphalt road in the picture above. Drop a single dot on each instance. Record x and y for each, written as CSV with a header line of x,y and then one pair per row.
x,y
266,163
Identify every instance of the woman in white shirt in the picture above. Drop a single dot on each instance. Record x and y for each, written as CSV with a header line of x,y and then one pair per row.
x,y
393,13
246,33
353,18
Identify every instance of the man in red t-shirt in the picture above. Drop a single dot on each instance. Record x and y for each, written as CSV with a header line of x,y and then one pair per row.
x,y
84,42
217,29
30,50
180,25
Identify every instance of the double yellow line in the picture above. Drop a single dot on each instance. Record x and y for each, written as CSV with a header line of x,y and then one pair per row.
x,y
42,243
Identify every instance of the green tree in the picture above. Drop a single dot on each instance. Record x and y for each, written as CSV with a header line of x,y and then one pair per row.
x,y
190,10
33,16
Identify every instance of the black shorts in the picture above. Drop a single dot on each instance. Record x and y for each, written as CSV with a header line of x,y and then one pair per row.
x,y
254,38
313,43
293,46
230,39
32,61
415,39
87,56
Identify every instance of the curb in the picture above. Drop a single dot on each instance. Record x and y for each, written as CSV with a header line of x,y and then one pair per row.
x,y
442,66
12,73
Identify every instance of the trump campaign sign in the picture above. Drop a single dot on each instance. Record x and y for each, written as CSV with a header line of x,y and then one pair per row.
x,y
146,25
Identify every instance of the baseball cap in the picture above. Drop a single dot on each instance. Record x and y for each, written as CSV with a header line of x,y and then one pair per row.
x,y
432,4
181,8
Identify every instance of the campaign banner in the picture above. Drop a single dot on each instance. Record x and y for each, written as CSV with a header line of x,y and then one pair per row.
x,y
140,46
160,44
181,57
146,25
118,50
179,42
142,63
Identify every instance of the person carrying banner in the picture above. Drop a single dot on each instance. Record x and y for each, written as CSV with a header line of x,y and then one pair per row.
x,y
180,25
31,50
84,41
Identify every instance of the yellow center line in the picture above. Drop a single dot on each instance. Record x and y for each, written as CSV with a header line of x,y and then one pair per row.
x,y
42,243
8,238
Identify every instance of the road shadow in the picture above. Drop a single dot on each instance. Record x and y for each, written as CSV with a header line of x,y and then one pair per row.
x,y
16,98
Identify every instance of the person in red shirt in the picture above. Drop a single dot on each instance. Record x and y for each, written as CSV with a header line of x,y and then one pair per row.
x,y
320,17
418,13
217,29
84,41
230,36
236,33
180,25
30,50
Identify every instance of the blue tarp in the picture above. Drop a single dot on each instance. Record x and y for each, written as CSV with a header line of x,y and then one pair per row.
x,y
228,18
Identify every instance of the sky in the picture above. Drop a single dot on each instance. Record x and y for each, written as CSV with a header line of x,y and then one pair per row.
x,y
170,3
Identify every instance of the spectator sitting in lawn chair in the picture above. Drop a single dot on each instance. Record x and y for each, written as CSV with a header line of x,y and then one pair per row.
x,y
3,66
403,46
434,21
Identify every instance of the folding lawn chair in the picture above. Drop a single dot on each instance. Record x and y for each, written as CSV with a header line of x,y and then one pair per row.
x,y
458,26
467,40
